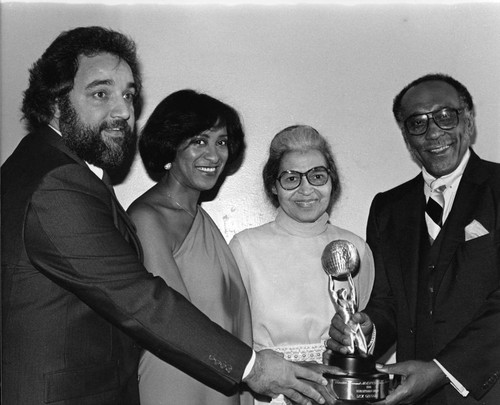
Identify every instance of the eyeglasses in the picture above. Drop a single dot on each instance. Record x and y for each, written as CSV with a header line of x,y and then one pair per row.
x,y
291,179
445,118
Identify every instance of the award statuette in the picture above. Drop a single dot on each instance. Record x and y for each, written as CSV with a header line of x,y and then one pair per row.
x,y
362,382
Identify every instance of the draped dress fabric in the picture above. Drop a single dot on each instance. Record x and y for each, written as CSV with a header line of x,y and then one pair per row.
x,y
212,282
280,263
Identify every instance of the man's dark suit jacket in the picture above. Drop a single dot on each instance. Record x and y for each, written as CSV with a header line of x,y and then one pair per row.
x,y
77,303
466,313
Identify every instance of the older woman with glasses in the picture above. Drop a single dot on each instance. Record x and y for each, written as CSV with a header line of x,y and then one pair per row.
x,y
280,262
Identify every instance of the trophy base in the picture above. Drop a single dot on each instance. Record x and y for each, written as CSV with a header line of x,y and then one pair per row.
x,y
359,389
362,384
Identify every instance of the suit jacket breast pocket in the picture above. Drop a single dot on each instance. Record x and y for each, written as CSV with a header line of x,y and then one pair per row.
x,y
479,260
486,246
469,279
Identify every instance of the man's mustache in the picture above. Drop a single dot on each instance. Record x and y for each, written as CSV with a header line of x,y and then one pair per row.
x,y
118,124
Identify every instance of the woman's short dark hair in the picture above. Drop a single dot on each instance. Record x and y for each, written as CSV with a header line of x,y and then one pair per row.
x,y
181,116
52,75
463,94
301,138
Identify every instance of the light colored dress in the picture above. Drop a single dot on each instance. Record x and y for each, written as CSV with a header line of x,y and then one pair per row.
x,y
280,263
213,284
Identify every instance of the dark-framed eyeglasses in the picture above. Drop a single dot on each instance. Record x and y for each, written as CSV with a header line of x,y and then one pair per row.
x,y
291,179
445,118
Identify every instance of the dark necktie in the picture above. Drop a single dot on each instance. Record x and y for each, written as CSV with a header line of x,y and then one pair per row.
x,y
107,180
434,212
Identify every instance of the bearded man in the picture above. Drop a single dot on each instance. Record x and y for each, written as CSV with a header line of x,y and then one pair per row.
x,y
78,305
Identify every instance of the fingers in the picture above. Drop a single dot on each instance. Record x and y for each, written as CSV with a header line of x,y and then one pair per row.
x,y
365,322
359,317
403,368
338,324
311,373
384,368
330,398
327,356
339,345
340,335
398,396
303,393
333,370
273,375
323,368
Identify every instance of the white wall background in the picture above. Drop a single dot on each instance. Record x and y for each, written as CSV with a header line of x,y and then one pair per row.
x,y
336,67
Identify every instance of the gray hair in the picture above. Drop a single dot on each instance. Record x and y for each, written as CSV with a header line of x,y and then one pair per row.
x,y
299,138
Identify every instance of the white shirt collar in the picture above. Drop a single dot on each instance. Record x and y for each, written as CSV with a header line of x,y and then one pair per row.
x,y
56,130
96,170
451,179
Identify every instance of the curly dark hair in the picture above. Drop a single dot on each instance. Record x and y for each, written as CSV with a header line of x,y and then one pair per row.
x,y
183,115
463,93
52,75
298,138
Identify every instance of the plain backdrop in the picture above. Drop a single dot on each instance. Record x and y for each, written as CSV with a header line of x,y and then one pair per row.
x,y
333,66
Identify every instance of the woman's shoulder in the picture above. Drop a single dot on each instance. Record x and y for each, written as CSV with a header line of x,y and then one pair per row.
x,y
360,244
258,230
346,234
150,210
159,223
144,203
144,209
256,234
140,209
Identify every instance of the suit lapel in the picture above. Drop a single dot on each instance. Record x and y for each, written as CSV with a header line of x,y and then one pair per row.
x,y
125,225
120,217
409,217
50,136
466,203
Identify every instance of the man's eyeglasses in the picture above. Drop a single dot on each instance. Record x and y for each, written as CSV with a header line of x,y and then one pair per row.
x,y
291,179
445,118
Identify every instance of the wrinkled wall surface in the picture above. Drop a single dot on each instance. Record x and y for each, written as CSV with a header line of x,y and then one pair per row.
x,y
334,67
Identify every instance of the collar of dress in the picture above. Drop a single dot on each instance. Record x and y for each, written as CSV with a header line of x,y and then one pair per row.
x,y
303,229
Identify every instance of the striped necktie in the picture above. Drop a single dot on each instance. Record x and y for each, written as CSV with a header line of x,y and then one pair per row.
x,y
434,212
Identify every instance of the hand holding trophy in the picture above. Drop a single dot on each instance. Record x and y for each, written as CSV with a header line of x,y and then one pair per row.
x,y
362,383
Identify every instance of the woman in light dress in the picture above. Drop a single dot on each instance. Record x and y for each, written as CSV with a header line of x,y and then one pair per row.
x,y
280,262
188,143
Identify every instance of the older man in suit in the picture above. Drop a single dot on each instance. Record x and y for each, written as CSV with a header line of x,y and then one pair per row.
x,y
436,244
77,304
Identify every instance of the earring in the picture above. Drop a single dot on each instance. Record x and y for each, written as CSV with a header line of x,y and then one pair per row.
x,y
168,166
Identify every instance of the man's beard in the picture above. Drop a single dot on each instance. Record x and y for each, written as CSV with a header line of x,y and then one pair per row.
x,y
88,144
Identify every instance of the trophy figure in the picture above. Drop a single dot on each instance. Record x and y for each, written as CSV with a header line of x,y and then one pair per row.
x,y
363,383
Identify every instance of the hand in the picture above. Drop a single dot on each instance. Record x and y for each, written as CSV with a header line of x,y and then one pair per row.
x,y
418,379
327,393
327,356
341,335
272,375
